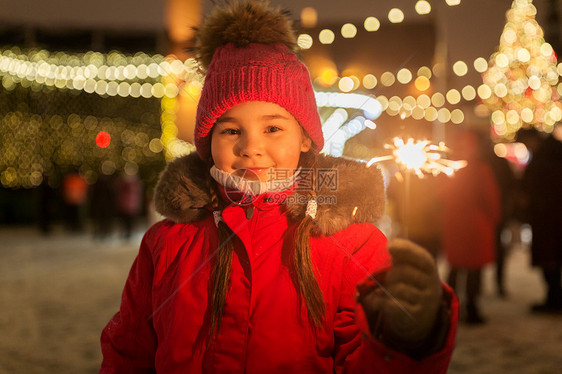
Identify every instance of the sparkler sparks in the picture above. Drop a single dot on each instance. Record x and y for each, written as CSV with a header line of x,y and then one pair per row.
x,y
419,156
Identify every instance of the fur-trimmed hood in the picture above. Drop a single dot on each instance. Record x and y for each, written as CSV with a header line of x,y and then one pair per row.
x,y
182,194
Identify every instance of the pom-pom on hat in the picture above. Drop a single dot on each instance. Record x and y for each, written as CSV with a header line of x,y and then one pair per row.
x,y
248,51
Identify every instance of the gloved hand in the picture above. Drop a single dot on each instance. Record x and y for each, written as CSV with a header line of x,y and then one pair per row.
x,y
403,311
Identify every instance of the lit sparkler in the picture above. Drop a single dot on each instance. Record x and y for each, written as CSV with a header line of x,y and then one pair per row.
x,y
419,156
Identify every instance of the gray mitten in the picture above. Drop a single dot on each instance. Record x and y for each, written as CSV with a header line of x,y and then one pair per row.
x,y
403,312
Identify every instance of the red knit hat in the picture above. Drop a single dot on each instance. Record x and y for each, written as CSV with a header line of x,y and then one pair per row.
x,y
255,62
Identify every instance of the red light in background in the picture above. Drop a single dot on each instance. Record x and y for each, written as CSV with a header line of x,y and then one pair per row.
x,y
103,139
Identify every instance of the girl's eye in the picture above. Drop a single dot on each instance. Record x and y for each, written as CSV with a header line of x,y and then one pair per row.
x,y
230,131
273,129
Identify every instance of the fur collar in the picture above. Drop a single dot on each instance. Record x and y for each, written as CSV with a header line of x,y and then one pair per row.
x,y
182,194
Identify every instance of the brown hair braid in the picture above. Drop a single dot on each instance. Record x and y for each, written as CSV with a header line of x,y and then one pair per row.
x,y
302,264
222,266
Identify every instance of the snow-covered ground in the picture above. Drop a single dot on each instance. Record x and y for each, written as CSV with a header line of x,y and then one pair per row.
x,y
514,340
57,293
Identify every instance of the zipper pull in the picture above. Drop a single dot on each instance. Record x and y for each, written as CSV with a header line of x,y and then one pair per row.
x,y
250,212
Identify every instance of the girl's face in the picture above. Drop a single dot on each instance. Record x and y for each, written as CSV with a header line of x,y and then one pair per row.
x,y
259,141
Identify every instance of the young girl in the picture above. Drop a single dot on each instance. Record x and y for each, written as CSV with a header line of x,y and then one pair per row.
x,y
255,267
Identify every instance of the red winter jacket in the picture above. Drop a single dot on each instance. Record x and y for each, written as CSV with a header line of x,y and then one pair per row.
x,y
164,320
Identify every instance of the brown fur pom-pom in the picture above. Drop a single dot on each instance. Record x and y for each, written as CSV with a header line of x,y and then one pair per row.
x,y
242,22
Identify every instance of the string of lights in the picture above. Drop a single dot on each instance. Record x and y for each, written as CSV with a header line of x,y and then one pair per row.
x,y
147,76
371,24
423,107
112,74
141,75
116,74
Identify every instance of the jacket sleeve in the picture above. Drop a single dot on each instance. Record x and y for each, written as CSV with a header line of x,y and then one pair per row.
x,y
128,342
356,350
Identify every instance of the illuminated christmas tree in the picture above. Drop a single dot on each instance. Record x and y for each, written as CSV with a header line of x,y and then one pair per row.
x,y
522,77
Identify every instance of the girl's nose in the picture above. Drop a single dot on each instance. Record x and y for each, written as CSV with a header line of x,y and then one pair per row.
x,y
250,145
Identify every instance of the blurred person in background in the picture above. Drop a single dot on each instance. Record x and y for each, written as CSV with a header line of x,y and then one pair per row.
x,y
74,192
102,206
129,201
542,188
47,198
471,211
506,181
532,139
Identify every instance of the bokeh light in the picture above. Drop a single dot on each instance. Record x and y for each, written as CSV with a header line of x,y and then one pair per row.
x,y
369,81
103,139
304,41
460,68
424,71
423,7
422,83
395,15
480,64
346,84
326,36
404,76
453,96
423,101
437,99
348,30
387,79
468,93
309,17
371,24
